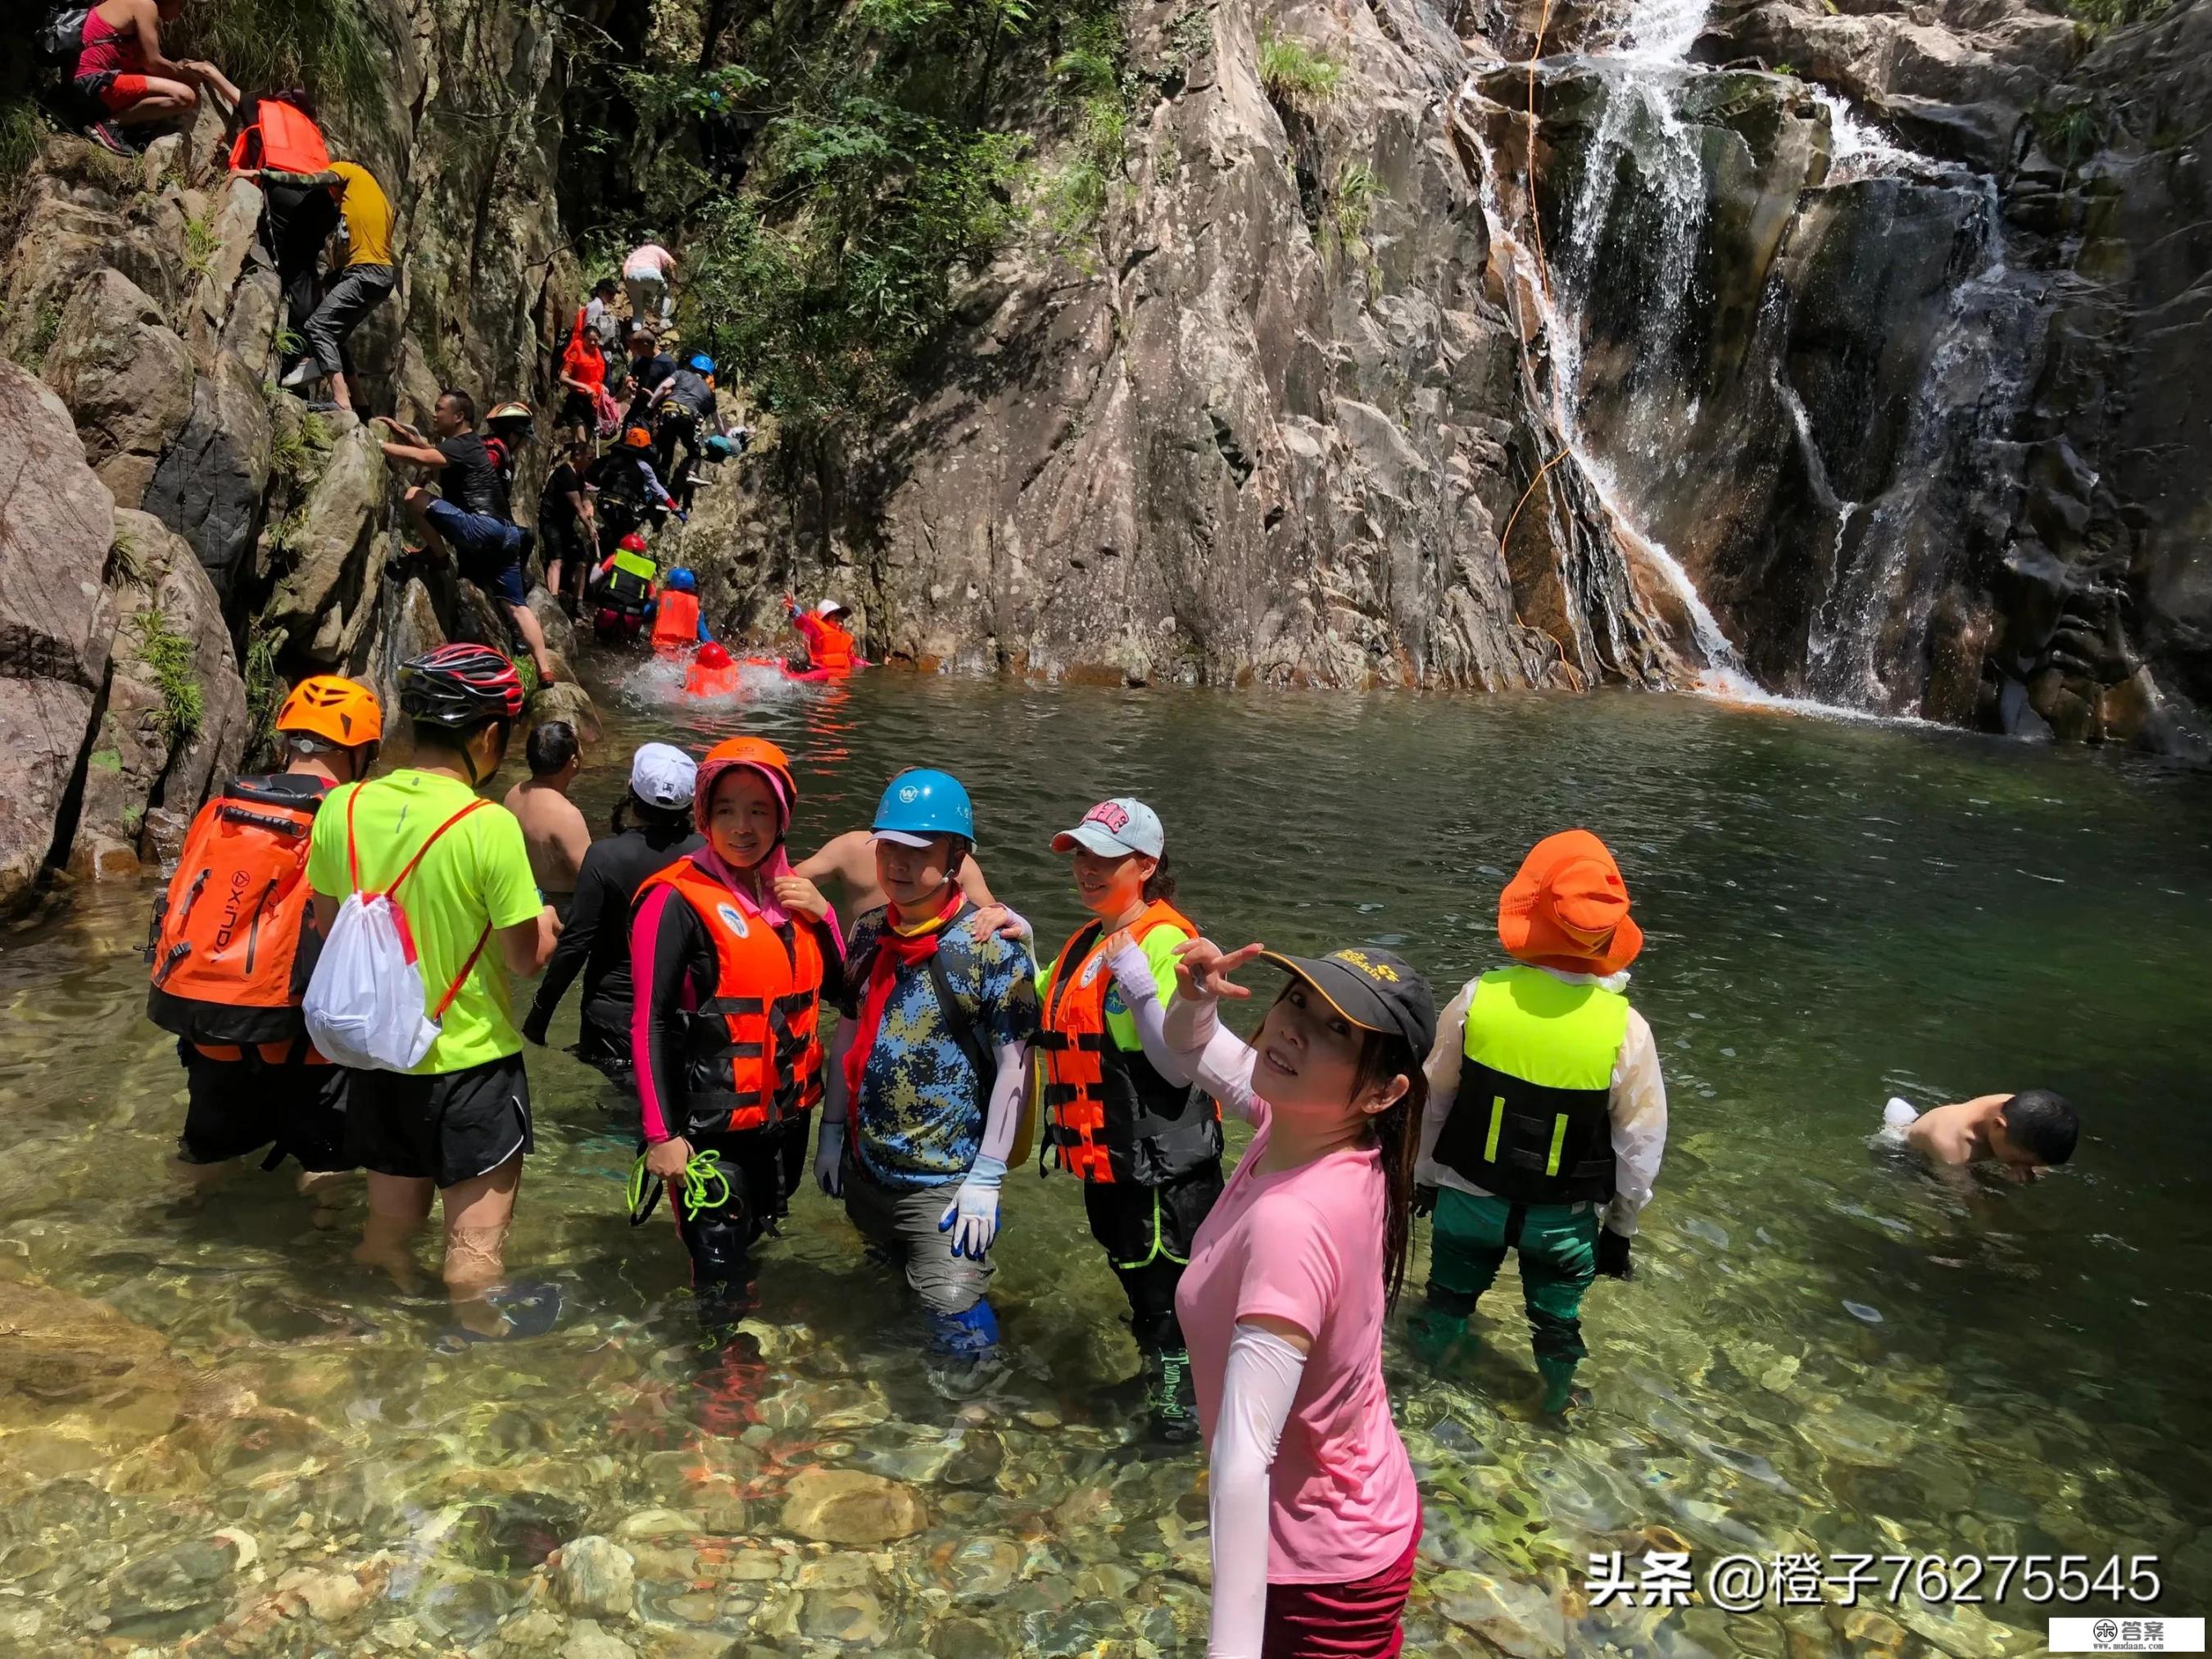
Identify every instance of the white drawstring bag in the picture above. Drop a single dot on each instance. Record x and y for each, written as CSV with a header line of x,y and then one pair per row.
x,y
365,1006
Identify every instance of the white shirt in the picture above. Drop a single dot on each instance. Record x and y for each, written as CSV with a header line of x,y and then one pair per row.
x,y
1638,1104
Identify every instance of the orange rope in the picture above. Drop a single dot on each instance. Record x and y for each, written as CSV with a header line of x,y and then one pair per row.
x,y
1514,515
1535,220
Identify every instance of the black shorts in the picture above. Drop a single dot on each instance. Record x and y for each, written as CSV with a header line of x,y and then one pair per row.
x,y
1139,1226
239,1106
448,1127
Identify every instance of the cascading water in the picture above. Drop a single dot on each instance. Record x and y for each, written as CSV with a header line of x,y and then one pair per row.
x,y
1678,426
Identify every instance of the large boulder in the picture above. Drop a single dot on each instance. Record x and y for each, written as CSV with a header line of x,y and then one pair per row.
x,y
327,545
208,487
57,622
125,376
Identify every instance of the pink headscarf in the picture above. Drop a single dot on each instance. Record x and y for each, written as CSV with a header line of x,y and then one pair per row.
x,y
777,864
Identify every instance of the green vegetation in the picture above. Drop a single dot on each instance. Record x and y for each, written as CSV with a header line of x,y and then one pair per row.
x,y
168,656
46,330
23,129
1092,80
262,686
328,46
2103,16
201,245
1298,75
2071,133
1350,206
298,449
130,563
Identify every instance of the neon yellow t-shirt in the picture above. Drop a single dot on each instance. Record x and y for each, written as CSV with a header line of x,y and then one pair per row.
x,y
479,872
1159,950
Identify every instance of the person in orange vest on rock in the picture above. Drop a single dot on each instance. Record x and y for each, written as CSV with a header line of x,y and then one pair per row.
x,y
122,70
731,954
1147,1147
829,644
232,951
678,624
277,135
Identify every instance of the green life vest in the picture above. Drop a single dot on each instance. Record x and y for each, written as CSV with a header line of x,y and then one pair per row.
x,y
1533,1121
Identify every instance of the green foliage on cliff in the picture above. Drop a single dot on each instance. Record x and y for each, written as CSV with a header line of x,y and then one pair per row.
x,y
2102,16
328,46
168,657
831,177
1302,76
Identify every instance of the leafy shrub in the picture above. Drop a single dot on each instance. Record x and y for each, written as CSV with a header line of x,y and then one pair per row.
x,y
329,46
1295,73
168,656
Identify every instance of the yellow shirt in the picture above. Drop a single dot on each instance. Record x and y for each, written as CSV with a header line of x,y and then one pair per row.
x,y
367,215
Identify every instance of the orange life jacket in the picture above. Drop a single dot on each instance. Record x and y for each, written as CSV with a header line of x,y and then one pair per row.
x,y
753,1054
701,681
1109,1113
831,647
281,138
230,946
675,621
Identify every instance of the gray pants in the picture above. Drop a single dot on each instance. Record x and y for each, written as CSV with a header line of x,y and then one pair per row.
x,y
903,1225
359,291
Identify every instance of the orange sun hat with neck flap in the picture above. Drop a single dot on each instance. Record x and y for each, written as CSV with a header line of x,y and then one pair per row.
x,y
1567,908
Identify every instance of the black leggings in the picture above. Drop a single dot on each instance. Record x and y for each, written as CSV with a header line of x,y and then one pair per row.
x,y
1147,1232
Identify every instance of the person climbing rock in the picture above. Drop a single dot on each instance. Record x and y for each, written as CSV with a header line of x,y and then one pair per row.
x,y
232,950
1548,1114
603,323
650,829
1147,1147
620,591
733,954
456,1126
649,274
677,622
1312,1509
567,524
469,516
365,282
507,429
581,373
829,644
552,829
278,140
2024,1134
649,369
928,1074
121,72
684,406
627,490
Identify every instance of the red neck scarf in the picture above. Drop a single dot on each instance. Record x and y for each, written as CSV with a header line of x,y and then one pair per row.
x,y
893,950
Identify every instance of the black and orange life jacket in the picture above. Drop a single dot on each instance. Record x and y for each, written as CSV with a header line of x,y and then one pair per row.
x,y
753,1054
231,947
1110,1115
281,138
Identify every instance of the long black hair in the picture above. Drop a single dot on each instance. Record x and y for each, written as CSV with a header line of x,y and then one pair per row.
x,y
1396,1132
1160,886
649,817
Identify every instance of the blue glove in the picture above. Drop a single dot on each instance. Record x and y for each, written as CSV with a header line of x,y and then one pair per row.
x,y
972,1217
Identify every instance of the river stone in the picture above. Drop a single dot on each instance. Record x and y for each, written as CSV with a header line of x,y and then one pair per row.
x,y
965,1638
596,1577
125,376
658,1523
847,1506
586,1640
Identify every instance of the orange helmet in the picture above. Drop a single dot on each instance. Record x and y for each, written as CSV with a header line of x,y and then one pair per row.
x,y
759,754
337,710
638,437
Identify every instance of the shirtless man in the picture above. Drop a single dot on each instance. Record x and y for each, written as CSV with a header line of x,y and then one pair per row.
x,y
2025,1133
553,831
850,860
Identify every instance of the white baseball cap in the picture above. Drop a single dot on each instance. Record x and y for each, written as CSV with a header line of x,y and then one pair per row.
x,y
827,606
661,775
1114,828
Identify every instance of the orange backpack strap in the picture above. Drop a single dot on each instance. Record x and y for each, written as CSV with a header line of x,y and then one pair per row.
x,y
430,841
438,1013
353,867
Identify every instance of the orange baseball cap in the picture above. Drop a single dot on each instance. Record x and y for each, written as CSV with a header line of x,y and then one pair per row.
x,y
1567,907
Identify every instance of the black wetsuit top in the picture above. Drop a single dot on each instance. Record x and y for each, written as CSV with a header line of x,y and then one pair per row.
x,y
595,939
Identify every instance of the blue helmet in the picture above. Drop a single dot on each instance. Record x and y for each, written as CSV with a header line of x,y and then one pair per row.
x,y
681,581
923,803
702,364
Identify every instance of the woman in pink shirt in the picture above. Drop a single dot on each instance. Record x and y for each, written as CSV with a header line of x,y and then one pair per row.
x,y
1313,1511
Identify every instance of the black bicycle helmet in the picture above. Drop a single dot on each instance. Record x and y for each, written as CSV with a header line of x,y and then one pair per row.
x,y
460,686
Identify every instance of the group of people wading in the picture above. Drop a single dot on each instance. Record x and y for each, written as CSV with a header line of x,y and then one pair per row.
x,y
1531,1117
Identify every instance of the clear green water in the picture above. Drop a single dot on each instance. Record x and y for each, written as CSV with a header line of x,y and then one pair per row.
x,y
1821,1352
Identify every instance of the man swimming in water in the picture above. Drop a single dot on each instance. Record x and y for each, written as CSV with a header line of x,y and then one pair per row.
x,y
2025,1133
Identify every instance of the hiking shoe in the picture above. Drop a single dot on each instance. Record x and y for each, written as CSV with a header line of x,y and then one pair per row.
x,y
1174,1402
109,137
302,372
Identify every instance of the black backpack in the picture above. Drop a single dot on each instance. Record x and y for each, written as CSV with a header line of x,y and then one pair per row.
x,y
62,38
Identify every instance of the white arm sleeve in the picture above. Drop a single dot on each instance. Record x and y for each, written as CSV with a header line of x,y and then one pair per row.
x,y
1003,1115
1218,1060
1257,1389
1639,1125
1133,973
1443,1069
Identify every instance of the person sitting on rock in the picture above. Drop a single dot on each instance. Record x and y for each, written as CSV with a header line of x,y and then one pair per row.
x,y
122,70
366,282
2025,1135
470,520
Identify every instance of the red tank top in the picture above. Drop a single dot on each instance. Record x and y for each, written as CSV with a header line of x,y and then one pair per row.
x,y
108,49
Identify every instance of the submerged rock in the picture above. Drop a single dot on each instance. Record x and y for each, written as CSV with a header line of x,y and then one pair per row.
x,y
847,1506
597,1578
